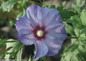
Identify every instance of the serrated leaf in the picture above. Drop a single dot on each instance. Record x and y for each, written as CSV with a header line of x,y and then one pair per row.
x,y
22,13
7,56
69,53
69,29
73,40
77,32
82,37
7,6
83,17
79,4
16,46
83,30
76,52
19,55
76,22
64,12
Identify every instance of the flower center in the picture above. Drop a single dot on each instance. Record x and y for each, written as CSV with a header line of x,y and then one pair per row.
x,y
40,33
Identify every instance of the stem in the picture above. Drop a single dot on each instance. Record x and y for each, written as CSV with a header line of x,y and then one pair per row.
x,y
20,48
69,37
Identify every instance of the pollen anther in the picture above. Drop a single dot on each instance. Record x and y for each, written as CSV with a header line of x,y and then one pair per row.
x,y
40,33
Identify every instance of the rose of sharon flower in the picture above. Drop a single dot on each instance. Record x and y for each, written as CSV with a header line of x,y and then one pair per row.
x,y
43,28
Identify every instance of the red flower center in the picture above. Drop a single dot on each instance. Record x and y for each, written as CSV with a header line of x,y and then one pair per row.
x,y
39,32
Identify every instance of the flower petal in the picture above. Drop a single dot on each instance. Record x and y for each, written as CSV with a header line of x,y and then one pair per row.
x,y
61,29
54,26
41,49
58,33
55,39
26,39
59,36
25,31
43,16
52,17
23,23
31,13
40,15
54,46
35,13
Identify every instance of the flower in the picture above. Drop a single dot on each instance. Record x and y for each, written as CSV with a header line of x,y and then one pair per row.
x,y
43,28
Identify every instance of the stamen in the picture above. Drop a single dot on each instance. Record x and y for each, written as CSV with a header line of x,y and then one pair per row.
x,y
40,33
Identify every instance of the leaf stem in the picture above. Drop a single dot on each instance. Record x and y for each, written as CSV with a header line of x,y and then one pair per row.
x,y
20,48
69,37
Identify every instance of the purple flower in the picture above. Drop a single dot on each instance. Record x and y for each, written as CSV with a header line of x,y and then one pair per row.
x,y
43,28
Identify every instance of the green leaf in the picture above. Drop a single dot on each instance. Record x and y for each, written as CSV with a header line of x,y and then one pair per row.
x,y
44,5
82,37
2,43
7,56
83,3
66,14
83,17
73,40
30,58
80,34
64,3
7,6
77,32
16,46
79,4
22,13
69,53
69,29
19,55
76,22
76,52
51,6
24,1
83,30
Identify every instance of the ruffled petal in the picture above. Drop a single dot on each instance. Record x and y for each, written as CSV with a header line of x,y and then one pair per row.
x,y
54,26
26,38
43,16
57,33
23,23
40,16
55,39
61,29
41,49
35,13
52,17
59,36
31,13
54,46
